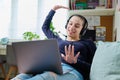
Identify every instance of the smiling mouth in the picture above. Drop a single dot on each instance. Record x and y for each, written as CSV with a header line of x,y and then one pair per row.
x,y
71,31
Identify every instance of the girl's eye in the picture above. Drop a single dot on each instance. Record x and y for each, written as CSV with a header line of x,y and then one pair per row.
x,y
77,26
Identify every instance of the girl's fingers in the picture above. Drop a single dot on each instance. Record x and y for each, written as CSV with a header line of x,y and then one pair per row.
x,y
66,51
59,6
69,50
63,56
72,51
77,55
69,54
65,7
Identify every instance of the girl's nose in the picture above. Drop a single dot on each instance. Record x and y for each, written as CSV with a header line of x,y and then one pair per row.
x,y
73,26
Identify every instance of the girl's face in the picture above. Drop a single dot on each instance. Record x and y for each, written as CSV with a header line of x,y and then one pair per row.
x,y
74,27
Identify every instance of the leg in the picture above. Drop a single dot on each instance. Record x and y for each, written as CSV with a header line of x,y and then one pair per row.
x,y
22,76
69,74
43,76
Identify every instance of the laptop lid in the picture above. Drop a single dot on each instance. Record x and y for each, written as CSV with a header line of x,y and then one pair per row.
x,y
35,57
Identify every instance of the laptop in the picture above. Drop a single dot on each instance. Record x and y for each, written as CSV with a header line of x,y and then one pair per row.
x,y
35,57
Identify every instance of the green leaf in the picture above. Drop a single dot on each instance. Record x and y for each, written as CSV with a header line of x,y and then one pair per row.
x,y
30,36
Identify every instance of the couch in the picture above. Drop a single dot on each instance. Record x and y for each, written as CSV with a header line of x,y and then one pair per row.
x,y
106,62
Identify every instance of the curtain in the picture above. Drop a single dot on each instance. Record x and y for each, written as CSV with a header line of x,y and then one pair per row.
x,y
19,16
5,12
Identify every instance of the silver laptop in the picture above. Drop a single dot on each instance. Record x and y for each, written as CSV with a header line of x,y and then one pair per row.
x,y
35,57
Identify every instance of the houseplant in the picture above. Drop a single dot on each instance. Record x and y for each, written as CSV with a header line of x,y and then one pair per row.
x,y
30,36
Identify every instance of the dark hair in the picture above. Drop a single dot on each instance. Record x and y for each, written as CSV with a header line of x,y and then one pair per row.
x,y
85,24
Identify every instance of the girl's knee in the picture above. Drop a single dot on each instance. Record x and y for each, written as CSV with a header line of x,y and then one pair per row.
x,y
49,75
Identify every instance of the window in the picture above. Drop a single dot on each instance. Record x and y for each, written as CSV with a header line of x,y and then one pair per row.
x,y
18,16
5,14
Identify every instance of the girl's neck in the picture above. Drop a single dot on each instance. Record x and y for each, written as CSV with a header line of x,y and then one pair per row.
x,y
72,39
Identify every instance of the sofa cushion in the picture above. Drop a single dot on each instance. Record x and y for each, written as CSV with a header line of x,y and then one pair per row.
x,y
106,62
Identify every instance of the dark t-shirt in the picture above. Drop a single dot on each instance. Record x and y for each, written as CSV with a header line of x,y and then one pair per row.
x,y
85,47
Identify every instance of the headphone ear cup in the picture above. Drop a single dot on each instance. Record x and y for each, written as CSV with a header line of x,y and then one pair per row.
x,y
83,31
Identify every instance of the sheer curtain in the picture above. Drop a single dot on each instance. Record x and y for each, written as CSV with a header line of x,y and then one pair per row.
x,y
19,16
5,11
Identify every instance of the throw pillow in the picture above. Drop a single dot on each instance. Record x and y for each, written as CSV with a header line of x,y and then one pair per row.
x,y
106,62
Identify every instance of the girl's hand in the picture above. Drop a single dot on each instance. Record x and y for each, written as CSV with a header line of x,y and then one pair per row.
x,y
69,55
56,7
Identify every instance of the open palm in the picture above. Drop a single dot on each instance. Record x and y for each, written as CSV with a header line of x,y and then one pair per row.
x,y
69,54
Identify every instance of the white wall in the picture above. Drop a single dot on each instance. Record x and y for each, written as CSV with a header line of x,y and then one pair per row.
x,y
117,24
